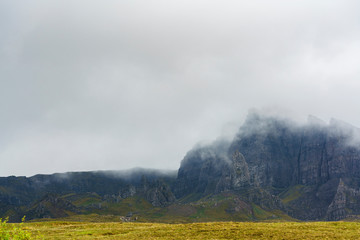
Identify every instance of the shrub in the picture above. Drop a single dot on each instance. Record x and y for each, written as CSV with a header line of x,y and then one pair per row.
x,y
13,231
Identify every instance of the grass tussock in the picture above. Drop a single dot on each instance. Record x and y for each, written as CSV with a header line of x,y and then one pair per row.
x,y
214,230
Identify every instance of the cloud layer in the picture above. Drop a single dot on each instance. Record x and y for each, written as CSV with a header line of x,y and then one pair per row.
x,y
88,85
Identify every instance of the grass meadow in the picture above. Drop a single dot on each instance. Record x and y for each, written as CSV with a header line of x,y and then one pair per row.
x,y
213,230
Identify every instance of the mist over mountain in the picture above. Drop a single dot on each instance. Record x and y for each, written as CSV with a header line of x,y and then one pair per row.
x,y
276,166
309,163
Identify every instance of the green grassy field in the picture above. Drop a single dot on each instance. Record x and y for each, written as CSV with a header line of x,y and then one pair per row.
x,y
214,230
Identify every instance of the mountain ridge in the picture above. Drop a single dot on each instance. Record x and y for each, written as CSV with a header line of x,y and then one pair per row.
x,y
273,166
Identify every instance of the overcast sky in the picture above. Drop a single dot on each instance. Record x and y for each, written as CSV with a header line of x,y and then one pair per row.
x,y
90,85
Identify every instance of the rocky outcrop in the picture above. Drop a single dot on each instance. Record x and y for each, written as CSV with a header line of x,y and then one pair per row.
x,y
235,174
240,176
346,202
201,170
51,206
336,209
159,194
125,192
269,156
280,153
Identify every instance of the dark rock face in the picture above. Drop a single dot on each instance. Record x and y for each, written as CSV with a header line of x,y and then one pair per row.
x,y
159,194
200,172
280,154
274,155
235,174
336,209
270,148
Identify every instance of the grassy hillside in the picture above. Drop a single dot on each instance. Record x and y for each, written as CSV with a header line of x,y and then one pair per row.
x,y
215,230
221,207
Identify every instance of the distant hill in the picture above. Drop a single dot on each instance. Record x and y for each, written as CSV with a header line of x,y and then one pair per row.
x,y
66,194
272,169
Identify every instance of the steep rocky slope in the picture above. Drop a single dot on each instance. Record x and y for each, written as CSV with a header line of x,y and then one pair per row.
x,y
273,156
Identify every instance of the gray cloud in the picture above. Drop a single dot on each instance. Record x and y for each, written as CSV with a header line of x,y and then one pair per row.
x,y
86,85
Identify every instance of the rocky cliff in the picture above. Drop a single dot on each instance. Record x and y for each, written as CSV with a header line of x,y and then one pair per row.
x,y
276,156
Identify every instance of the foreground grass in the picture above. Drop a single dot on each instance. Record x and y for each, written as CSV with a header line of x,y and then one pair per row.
x,y
216,230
